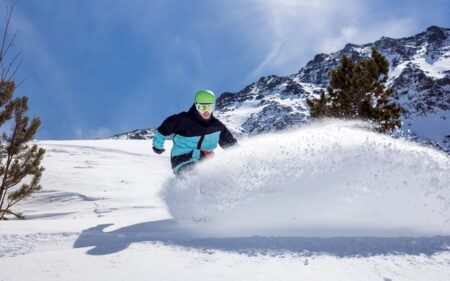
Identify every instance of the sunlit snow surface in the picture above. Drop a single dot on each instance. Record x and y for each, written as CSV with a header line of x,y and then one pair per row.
x,y
329,179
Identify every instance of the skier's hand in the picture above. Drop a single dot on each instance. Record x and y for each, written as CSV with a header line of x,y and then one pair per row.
x,y
206,154
158,150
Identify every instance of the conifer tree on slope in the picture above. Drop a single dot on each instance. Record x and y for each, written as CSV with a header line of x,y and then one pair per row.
x,y
20,164
358,91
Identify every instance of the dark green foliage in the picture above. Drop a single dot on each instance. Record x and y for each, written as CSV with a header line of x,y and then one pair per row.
x,y
20,163
357,91
20,169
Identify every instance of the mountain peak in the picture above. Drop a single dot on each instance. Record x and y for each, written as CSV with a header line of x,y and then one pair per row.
x,y
435,28
435,33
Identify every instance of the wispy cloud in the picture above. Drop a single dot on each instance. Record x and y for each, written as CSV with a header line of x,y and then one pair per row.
x,y
293,31
366,34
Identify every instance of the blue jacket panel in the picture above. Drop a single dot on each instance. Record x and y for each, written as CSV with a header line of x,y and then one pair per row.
x,y
158,140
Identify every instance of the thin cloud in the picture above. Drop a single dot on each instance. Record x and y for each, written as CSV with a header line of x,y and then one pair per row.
x,y
352,34
272,56
294,31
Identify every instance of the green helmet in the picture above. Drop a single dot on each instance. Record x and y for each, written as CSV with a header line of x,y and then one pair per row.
x,y
205,96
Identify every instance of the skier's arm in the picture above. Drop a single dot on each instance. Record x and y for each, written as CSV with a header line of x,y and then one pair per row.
x,y
167,128
226,138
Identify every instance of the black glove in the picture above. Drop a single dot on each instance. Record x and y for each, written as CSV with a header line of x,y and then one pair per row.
x,y
158,150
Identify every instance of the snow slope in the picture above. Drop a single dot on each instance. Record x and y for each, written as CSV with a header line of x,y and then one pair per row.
x,y
106,212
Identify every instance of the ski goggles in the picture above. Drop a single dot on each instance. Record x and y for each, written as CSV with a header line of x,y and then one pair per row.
x,y
202,107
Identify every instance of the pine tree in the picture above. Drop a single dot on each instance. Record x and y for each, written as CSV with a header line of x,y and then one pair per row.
x,y
358,91
20,163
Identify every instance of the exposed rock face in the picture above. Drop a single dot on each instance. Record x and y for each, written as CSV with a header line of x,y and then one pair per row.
x,y
139,134
419,75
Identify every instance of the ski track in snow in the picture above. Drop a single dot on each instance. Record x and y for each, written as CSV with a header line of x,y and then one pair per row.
x,y
330,179
15,244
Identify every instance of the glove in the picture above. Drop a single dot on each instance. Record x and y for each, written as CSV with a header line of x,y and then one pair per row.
x,y
206,154
158,150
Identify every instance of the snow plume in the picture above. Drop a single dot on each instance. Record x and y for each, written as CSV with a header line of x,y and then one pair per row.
x,y
328,179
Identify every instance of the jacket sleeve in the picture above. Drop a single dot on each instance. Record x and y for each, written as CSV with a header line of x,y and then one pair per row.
x,y
226,138
167,128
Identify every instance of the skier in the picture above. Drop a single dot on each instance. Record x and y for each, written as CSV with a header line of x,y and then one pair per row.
x,y
196,133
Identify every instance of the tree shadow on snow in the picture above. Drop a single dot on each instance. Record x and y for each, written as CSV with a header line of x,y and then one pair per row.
x,y
169,233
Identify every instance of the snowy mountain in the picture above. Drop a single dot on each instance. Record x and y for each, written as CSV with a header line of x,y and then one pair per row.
x,y
419,75
139,134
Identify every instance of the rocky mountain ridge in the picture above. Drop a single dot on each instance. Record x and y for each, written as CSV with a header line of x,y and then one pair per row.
x,y
419,75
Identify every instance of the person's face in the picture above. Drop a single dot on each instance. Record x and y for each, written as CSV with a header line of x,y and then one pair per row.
x,y
205,115
205,110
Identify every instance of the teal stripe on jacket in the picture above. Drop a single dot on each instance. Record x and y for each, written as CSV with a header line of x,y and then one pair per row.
x,y
185,145
158,140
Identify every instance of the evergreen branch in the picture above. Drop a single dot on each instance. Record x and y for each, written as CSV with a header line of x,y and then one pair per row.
x,y
10,44
5,177
24,191
5,32
21,82
5,74
6,211
8,163
27,191
23,174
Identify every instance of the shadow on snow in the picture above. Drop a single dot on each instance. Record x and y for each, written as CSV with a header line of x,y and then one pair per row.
x,y
169,233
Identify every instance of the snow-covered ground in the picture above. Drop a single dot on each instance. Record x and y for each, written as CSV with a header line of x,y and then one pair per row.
x,y
327,202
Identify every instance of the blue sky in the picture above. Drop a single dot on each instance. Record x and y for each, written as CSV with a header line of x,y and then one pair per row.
x,y
94,68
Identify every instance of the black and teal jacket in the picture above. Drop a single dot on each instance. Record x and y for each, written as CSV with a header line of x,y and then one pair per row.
x,y
192,135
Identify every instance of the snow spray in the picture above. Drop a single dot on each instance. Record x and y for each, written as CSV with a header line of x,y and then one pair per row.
x,y
332,178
